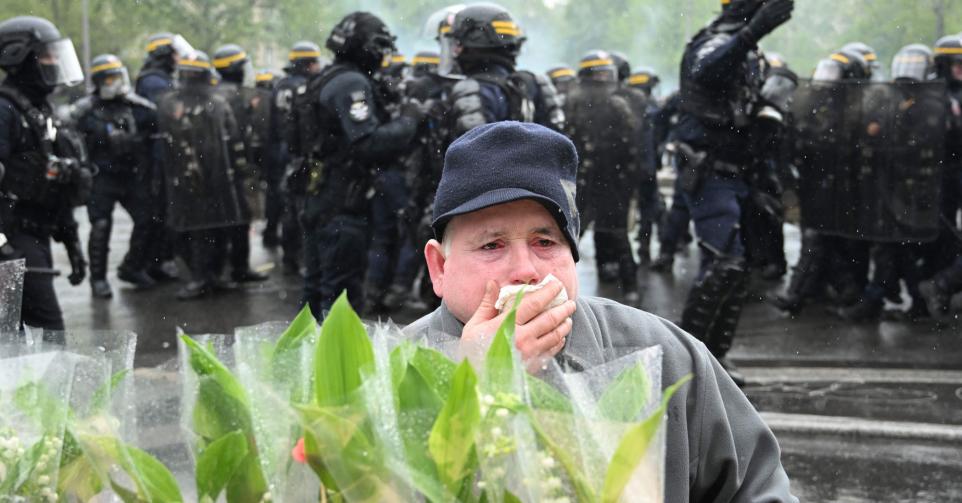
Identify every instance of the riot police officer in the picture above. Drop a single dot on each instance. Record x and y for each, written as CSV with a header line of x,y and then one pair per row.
x,y
721,82
45,172
939,290
236,87
828,260
285,180
117,126
601,123
868,54
562,78
487,42
645,80
644,152
346,136
425,63
895,261
200,138
156,78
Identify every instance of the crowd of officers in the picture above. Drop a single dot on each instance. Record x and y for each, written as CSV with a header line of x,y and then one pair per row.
x,y
346,155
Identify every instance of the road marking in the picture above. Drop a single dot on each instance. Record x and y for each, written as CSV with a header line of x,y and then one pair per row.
x,y
837,425
774,375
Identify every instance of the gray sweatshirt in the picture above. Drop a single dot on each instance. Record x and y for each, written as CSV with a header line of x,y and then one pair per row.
x,y
718,448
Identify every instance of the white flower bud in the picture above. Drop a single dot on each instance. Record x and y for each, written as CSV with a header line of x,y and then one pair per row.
x,y
502,413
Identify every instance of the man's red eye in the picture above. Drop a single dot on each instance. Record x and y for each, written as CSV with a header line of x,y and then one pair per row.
x,y
545,242
490,246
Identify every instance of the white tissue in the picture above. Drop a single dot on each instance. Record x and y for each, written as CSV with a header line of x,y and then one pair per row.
x,y
506,297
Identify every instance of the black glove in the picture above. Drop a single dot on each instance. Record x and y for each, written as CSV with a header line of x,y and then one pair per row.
x,y
771,15
414,110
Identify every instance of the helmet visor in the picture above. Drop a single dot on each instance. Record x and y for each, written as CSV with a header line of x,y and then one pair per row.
x,y
828,70
916,67
778,91
115,84
59,64
182,47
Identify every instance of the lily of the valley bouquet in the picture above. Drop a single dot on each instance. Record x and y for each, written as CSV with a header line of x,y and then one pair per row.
x,y
345,412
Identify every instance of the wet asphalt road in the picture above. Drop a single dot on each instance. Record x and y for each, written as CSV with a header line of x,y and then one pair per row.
x,y
867,412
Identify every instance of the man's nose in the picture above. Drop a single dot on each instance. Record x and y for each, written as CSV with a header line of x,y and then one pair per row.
x,y
523,271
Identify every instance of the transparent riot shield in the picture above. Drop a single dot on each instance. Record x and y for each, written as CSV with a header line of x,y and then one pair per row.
x,y
11,295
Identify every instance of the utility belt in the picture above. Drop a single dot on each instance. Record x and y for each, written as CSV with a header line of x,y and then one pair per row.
x,y
695,166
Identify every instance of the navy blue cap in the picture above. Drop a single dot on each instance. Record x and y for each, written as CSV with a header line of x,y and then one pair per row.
x,y
507,161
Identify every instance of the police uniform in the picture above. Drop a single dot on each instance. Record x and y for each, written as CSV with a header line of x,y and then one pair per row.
x,y
721,82
44,165
600,122
118,134
352,137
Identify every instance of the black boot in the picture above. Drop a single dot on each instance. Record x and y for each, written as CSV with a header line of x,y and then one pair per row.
x,y
140,279
664,263
715,303
194,290
98,248
938,297
866,309
807,276
248,276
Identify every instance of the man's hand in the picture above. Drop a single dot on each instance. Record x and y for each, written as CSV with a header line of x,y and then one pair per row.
x,y
769,16
539,335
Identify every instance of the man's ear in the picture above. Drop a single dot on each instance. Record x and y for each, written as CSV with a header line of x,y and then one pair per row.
x,y
434,256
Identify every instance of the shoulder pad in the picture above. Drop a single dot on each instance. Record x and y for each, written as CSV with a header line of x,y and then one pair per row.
x,y
465,87
140,101
81,106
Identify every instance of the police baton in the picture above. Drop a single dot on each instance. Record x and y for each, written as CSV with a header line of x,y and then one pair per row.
x,y
43,271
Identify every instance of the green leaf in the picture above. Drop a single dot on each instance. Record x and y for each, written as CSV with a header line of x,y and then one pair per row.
x,y
217,412
37,402
544,396
297,332
204,363
583,489
343,350
153,481
627,396
218,462
633,447
436,369
499,362
509,497
452,438
18,474
101,397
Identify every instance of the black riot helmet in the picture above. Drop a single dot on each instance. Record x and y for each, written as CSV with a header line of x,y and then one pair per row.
x,y
36,57
644,79
363,39
425,62
265,79
948,51
598,65
164,48
913,63
233,65
622,64
868,54
109,77
487,27
561,74
843,65
302,56
195,69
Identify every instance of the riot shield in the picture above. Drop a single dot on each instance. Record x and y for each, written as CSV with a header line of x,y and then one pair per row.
x,y
823,150
870,158
901,150
201,191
